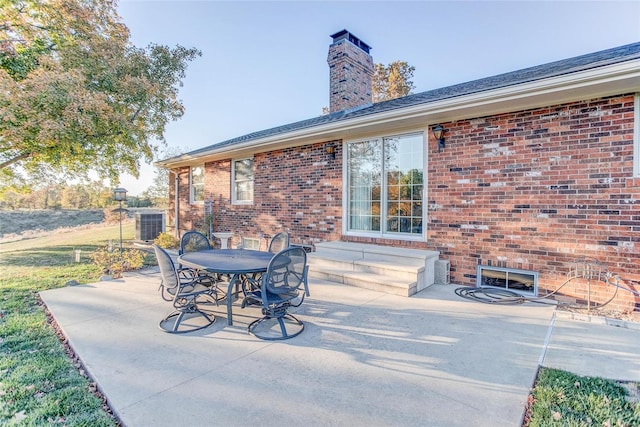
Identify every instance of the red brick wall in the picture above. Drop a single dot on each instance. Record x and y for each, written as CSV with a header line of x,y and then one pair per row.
x,y
298,190
538,190
535,190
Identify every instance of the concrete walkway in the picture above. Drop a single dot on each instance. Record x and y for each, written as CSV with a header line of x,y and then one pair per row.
x,y
364,359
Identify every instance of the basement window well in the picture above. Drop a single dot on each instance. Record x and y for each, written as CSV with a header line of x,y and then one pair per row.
x,y
520,281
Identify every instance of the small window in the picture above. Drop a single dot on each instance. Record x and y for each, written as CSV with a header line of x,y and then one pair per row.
x,y
243,181
520,281
196,179
250,243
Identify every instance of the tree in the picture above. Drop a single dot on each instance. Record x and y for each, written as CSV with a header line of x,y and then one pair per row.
x,y
392,81
76,95
158,192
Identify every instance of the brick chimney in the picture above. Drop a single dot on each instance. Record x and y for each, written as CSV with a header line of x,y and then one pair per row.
x,y
351,71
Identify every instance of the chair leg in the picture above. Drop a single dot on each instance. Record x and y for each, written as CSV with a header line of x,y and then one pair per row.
x,y
305,280
176,324
294,320
283,328
176,318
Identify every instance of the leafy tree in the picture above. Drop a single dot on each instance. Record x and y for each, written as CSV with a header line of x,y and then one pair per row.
x,y
392,81
76,95
76,197
12,193
158,192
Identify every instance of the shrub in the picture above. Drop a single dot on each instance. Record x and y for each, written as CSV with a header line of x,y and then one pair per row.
x,y
111,217
114,263
166,241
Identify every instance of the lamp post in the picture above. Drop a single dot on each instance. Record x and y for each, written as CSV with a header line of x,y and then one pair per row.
x,y
120,195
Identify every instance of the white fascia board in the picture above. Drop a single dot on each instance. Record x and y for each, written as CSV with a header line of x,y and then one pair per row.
x,y
608,80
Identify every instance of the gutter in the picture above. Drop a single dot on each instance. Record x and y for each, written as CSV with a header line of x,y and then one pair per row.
x,y
176,207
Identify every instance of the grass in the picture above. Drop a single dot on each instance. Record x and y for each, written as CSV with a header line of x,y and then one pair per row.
x,y
40,385
564,399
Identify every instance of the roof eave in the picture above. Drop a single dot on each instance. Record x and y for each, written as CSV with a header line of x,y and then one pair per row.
x,y
613,79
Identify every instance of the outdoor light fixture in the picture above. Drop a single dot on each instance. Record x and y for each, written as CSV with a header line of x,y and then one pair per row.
x,y
438,133
120,195
331,150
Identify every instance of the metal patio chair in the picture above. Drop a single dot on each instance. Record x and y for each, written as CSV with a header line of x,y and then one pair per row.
x,y
280,289
279,242
190,294
193,241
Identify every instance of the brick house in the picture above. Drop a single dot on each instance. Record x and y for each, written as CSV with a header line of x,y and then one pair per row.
x,y
537,170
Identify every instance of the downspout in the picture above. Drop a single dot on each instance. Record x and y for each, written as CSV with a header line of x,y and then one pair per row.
x,y
176,220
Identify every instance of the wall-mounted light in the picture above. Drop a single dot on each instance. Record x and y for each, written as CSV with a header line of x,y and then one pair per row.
x,y
331,150
438,133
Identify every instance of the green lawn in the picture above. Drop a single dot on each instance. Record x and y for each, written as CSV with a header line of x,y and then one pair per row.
x,y
40,385
564,399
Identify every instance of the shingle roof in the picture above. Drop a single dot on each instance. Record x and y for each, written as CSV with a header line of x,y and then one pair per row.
x,y
552,69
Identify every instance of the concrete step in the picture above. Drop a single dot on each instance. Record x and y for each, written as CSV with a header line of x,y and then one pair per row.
x,y
369,250
373,281
401,269
397,271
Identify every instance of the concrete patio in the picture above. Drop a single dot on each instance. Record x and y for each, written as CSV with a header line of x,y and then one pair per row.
x,y
365,358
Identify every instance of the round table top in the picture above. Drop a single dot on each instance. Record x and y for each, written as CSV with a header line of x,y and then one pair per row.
x,y
229,261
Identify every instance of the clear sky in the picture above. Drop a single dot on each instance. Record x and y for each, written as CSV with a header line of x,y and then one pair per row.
x,y
264,63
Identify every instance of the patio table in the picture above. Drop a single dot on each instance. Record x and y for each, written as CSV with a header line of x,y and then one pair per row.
x,y
237,263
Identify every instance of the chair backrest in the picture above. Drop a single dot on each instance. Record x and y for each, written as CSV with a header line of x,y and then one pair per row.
x,y
194,241
286,271
279,242
167,269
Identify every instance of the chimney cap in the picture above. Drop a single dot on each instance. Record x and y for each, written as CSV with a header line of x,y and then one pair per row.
x,y
346,35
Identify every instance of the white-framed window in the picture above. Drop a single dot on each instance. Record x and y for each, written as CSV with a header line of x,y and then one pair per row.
x,y
250,243
196,184
636,136
242,177
519,281
384,194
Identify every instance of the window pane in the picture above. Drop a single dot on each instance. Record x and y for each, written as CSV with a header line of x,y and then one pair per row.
x,y
403,167
364,185
197,183
243,180
385,185
244,169
519,280
198,194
